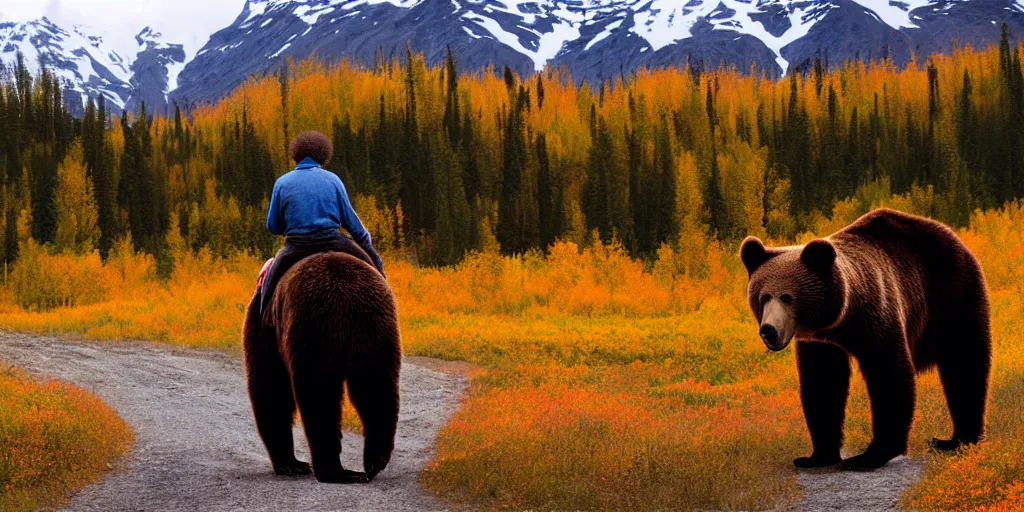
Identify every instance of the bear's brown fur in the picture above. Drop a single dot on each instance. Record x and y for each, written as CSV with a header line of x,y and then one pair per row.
x,y
900,294
335,325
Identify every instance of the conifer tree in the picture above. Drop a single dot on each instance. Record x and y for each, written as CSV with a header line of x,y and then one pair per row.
x,y
667,226
513,226
44,187
452,222
715,212
101,169
11,233
548,218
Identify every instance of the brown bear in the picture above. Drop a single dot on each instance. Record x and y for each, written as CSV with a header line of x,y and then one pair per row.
x,y
335,326
900,294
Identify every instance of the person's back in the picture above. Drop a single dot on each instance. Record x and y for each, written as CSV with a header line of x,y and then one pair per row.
x,y
308,206
308,201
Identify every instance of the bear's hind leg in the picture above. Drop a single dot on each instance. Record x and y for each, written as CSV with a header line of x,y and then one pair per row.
x,y
964,361
889,376
824,385
373,390
318,392
270,392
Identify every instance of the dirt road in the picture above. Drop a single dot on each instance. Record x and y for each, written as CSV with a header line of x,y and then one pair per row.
x,y
196,446
879,490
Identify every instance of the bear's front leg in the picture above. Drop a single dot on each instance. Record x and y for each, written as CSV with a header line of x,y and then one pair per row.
x,y
890,381
824,385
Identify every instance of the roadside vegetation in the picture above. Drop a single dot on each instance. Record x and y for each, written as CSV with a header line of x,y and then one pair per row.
x,y
603,381
54,439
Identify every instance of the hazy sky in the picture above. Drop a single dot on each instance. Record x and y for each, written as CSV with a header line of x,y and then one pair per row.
x,y
188,22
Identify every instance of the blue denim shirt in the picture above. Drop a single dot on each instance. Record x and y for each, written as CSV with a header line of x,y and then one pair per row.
x,y
310,201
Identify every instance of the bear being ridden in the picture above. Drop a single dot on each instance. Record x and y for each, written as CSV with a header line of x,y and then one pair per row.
x,y
900,294
323,320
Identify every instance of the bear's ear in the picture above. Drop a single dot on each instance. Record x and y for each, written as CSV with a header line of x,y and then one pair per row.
x,y
754,254
818,255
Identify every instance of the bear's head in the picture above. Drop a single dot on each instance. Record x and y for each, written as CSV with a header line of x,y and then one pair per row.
x,y
793,291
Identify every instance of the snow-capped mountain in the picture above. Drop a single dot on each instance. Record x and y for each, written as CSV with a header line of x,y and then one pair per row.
x,y
88,67
83,63
594,39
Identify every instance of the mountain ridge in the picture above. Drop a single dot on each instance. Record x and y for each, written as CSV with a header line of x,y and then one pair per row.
x,y
89,68
594,40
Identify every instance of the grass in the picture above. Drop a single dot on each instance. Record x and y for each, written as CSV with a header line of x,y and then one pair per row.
x,y
605,383
54,439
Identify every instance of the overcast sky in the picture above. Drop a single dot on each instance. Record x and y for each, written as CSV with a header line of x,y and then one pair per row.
x,y
187,22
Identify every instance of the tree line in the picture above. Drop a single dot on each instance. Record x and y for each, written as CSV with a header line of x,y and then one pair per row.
x,y
442,162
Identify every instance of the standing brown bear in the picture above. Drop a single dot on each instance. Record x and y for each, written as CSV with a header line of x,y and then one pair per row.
x,y
335,326
900,294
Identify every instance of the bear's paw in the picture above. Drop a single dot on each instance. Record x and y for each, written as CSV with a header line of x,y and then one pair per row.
x,y
292,468
817,461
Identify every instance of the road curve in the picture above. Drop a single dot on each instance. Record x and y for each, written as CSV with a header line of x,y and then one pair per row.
x,y
196,446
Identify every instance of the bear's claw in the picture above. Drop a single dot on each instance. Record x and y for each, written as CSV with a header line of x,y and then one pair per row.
x,y
864,462
293,468
816,461
342,476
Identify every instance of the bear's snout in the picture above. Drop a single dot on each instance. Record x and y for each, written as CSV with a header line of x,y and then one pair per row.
x,y
770,336
777,325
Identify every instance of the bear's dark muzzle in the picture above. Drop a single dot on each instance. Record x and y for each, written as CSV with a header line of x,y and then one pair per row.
x,y
770,336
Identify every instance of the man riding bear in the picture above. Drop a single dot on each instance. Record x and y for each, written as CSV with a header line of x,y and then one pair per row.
x,y
330,329
308,206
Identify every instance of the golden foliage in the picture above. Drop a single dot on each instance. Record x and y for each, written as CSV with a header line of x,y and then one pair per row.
x,y
77,214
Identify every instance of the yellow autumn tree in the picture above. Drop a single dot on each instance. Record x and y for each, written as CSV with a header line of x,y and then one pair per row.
x,y
77,214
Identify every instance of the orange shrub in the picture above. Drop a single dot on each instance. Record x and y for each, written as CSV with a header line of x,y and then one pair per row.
x,y
54,439
680,446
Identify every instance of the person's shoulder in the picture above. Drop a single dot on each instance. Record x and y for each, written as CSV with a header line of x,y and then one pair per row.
x,y
286,177
330,176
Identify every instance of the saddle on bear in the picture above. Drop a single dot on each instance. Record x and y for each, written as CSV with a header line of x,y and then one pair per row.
x,y
296,249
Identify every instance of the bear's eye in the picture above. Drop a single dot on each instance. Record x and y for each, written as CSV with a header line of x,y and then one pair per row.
x,y
765,298
786,299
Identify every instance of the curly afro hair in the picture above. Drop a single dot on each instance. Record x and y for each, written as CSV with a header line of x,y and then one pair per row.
x,y
314,145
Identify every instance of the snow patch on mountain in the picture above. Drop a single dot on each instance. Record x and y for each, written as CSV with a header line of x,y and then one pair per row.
x,y
663,22
173,70
801,21
542,30
604,34
894,14
666,22
311,15
561,27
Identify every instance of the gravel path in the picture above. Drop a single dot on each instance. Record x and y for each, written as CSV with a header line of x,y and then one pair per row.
x,y
196,446
879,490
